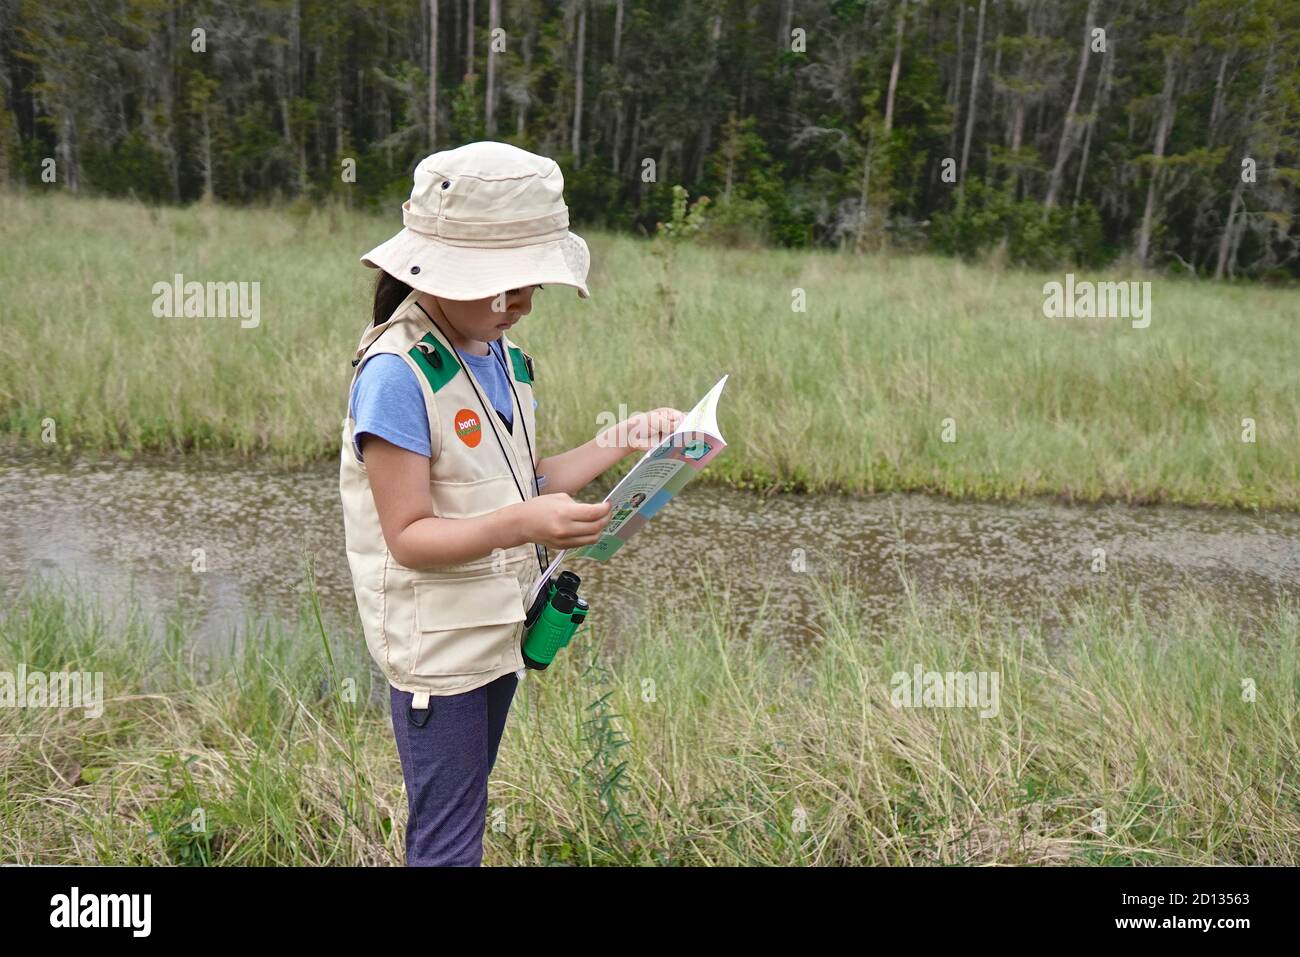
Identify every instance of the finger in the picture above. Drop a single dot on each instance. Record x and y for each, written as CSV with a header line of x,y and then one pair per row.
x,y
576,541
586,528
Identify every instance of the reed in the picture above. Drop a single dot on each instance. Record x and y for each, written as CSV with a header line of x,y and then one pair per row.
x,y
1117,738
853,393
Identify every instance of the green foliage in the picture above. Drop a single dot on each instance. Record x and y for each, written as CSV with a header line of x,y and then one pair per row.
x,y
686,223
736,223
792,148
178,820
752,196
1032,234
594,189
130,167
466,109
604,778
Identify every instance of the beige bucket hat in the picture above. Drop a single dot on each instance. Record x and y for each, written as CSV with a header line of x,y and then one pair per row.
x,y
483,218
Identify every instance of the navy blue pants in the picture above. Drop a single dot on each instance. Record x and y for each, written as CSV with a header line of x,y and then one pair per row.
x,y
445,763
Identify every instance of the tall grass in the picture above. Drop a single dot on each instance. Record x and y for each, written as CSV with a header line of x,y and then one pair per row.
x,y
1119,739
851,394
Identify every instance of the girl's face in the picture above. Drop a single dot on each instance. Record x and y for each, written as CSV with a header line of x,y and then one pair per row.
x,y
486,319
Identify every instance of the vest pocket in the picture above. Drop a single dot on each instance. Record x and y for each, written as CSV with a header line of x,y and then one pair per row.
x,y
476,497
464,626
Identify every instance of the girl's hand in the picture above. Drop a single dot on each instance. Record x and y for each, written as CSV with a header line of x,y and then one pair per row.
x,y
557,521
645,430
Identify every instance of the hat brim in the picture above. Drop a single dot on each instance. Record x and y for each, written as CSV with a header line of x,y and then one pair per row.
x,y
477,272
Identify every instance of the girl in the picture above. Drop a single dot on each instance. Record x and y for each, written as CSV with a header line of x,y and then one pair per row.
x,y
445,520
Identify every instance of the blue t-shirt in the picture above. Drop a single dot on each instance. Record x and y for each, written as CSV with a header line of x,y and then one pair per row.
x,y
387,401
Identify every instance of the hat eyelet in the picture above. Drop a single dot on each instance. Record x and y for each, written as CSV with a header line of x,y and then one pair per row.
x,y
415,270
446,183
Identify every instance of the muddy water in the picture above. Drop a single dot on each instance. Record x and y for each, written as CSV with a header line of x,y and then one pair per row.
x,y
229,542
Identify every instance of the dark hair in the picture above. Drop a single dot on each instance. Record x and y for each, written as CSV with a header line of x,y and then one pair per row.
x,y
389,293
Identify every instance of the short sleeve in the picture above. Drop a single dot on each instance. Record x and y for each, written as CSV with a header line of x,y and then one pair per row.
x,y
387,402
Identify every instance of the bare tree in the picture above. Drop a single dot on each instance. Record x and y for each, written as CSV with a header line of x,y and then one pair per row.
x,y
576,143
970,111
1098,98
893,70
1066,143
1231,227
433,76
469,37
1164,124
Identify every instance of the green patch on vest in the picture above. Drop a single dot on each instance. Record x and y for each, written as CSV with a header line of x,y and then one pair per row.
x,y
522,372
437,364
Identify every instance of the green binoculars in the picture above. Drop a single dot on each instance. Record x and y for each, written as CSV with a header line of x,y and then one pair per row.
x,y
550,623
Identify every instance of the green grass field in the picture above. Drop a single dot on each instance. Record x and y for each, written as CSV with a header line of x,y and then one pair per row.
x,y
850,394
1120,739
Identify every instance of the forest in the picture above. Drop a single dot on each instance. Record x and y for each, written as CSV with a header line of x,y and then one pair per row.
x,y
1158,133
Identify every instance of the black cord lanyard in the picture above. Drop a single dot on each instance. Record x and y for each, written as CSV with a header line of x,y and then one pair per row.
x,y
491,413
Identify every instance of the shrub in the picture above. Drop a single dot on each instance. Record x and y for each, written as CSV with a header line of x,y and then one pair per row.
x,y
1033,234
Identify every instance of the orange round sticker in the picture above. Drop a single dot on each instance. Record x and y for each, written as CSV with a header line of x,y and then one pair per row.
x,y
468,428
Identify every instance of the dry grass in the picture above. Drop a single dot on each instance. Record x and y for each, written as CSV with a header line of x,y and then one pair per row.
x,y
1120,740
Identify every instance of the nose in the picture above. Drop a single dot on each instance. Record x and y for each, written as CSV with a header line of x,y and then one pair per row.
x,y
520,300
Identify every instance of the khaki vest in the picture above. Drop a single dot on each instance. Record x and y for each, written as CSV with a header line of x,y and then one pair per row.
x,y
457,627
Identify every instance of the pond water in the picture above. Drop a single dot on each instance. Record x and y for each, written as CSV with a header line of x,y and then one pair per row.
x,y
115,528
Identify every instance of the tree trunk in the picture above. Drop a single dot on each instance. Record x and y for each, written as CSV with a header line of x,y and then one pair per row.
x,y
865,196
636,144
338,114
207,154
295,87
433,76
1217,106
730,152
1066,143
469,37
490,99
1236,244
1162,131
955,91
173,154
970,110
1225,240
893,70
618,30
706,121
576,144
522,111
1231,228
1098,97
